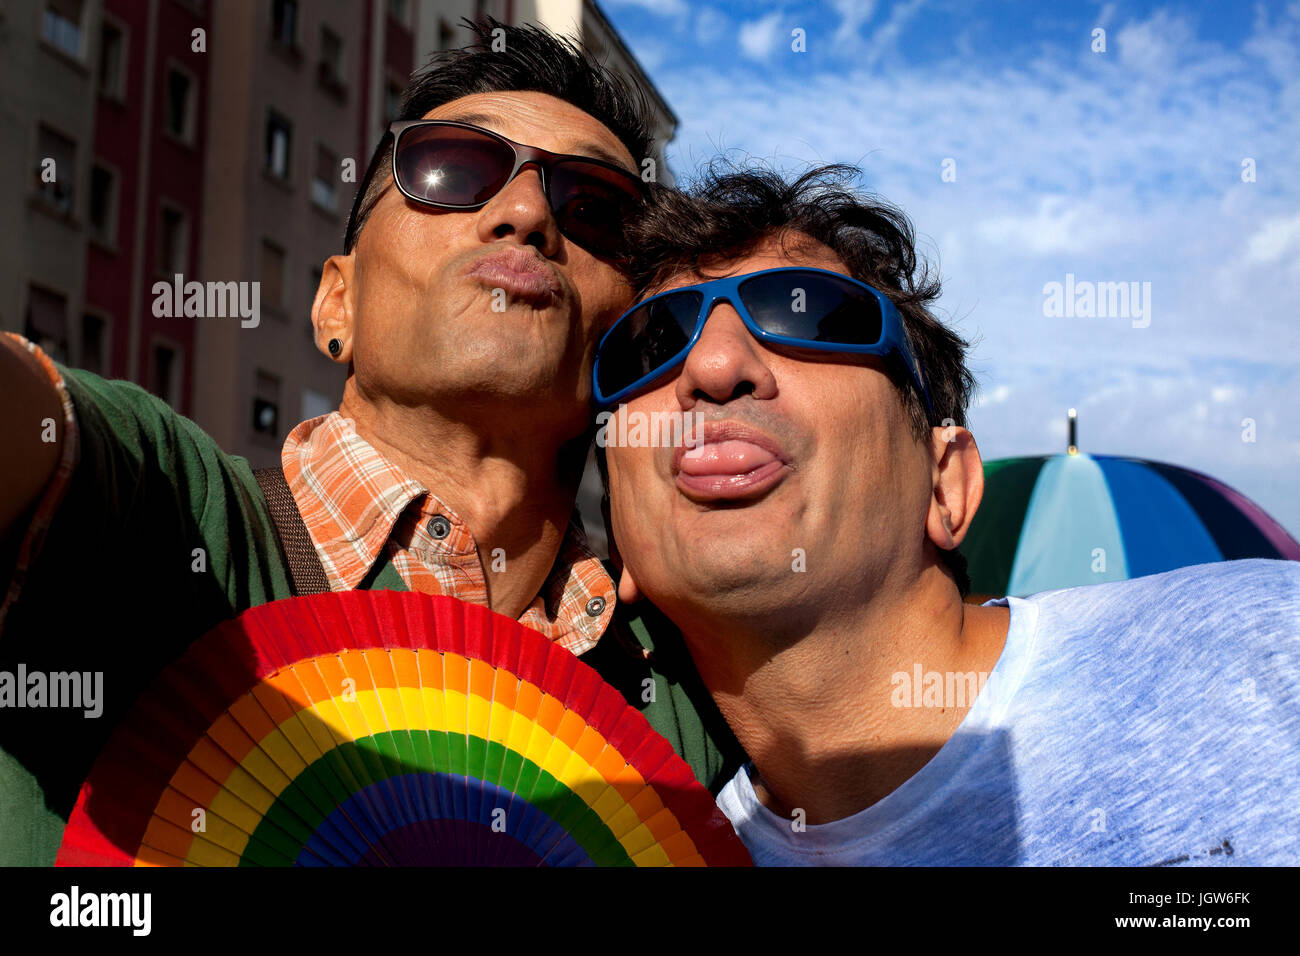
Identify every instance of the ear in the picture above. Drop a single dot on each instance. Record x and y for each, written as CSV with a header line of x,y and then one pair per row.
x,y
958,485
628,592
333,311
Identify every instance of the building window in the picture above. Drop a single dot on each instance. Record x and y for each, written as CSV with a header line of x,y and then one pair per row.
x,y
46,323
56,166
324,183
112,60
61,27
103,204
332,66
173,241
165,373
179,118
279,139
266,405
284,23
94,343
273,276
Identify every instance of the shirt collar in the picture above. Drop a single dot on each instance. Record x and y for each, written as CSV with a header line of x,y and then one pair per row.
x,y
351,499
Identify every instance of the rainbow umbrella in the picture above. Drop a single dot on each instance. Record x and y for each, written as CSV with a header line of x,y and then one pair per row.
x,y
1060,521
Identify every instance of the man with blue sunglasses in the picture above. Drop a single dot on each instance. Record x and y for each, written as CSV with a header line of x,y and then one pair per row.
x,y
801,538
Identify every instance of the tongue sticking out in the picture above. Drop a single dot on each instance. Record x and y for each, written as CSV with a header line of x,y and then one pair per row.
x,y
731,457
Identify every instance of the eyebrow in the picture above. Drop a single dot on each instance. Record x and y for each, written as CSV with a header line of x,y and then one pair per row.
x,y
589,149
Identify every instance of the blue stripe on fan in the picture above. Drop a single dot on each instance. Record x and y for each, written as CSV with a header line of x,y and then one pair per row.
x,y
448,800
1070,515
1161,530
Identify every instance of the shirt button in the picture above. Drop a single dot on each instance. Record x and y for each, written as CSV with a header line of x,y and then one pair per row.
x,y
596,606
439,527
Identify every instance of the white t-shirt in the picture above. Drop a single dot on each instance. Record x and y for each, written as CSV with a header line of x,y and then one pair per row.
x,y
1141,722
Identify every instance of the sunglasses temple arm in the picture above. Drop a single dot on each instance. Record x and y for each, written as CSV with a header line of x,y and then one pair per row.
x,y
354,224
909,357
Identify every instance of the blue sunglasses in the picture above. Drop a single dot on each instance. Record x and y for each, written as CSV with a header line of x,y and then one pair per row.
x,y
805,308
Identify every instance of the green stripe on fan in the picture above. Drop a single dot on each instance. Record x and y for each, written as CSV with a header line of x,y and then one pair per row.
x,y
550,796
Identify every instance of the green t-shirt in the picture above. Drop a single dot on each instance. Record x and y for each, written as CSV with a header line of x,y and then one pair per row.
x,y
160,537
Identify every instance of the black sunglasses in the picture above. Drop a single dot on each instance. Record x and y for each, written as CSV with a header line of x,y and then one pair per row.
x,y
450,165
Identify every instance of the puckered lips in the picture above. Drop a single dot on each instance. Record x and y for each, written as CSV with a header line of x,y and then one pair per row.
x,y
523,275
728,460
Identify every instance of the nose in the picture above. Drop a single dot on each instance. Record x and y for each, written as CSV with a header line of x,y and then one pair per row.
x,y
725,364
521,210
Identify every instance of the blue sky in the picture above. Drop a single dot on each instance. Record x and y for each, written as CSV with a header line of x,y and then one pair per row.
x,y
1117,166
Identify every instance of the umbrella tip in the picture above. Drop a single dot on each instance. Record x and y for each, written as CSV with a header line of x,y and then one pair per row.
x,y
1073,447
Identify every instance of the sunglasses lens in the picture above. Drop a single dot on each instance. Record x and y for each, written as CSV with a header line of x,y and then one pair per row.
x,y
450,165
813,307
591,204
646,339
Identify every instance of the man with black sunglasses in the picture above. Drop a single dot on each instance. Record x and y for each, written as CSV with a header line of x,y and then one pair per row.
x,y
483,258
802,537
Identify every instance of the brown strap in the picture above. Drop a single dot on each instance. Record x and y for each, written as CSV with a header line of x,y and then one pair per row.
x,y
305,569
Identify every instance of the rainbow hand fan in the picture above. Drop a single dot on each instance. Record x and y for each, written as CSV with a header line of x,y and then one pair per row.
x,y
386,728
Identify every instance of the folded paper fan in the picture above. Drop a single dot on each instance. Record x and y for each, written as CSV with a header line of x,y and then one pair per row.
x,y
386,728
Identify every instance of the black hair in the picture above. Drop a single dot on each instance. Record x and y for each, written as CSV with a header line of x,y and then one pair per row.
x,y
517,58
730,209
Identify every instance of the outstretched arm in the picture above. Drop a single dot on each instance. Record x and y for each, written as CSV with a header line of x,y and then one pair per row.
x,y
34,415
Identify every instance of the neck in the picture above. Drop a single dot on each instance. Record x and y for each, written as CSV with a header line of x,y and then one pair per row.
x,y
511,483
820,710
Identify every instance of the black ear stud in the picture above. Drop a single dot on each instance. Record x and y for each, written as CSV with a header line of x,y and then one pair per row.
x,y
335,347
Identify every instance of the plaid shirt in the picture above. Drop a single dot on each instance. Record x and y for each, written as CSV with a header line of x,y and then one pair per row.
x,y
357,507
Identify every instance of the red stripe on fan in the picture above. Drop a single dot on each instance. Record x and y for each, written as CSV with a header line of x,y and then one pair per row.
x,y
114,807
89,845
583,689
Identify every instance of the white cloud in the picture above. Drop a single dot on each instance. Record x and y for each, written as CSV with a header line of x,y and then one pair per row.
x,y
710,24
1275,239
885,39
998,395
666,8
758,38
853,14
1154,45
1058,224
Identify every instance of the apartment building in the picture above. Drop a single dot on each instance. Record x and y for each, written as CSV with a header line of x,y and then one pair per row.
x,y
285,138
102,116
